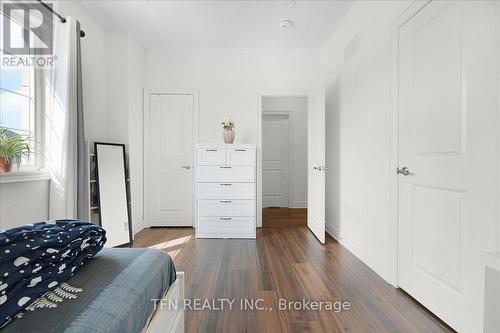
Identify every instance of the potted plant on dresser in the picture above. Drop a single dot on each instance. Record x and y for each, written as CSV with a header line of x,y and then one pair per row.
x,y
14,148
229,132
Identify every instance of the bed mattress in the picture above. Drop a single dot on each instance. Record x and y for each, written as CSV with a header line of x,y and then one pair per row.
x,y
118,286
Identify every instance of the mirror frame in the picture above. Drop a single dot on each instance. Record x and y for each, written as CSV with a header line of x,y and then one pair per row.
x,y
126,186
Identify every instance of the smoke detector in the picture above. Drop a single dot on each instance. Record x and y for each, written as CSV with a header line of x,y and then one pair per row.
x,y
286,24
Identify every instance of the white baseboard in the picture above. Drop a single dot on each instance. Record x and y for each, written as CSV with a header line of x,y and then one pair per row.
x,y
355,248
375,263
331,230
299,204
137,227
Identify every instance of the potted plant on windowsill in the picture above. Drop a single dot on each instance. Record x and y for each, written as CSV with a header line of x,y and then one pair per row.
x,y
14,148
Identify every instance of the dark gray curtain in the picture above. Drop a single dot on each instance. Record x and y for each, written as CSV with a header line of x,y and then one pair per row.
x,y
82,209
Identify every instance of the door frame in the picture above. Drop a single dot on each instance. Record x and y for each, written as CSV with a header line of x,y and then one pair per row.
x,y
260,97
405,16
497,13
145,139
289,114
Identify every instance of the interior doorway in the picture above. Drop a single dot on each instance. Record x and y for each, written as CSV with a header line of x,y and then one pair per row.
x,y
284,161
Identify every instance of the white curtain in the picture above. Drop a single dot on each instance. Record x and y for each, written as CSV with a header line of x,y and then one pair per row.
x,y
64,122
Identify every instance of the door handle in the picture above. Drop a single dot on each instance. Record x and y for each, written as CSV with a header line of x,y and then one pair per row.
x,y
320,168
186,167
403,171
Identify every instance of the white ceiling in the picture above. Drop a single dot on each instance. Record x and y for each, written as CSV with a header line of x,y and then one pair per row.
x,y
191,25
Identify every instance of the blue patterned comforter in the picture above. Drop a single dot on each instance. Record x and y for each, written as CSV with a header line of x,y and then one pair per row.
x,y
118,287
37,258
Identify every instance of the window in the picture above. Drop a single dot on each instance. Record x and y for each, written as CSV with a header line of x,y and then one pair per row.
x,y
18,107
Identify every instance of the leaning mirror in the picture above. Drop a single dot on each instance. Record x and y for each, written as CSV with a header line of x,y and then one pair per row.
x,y
112,193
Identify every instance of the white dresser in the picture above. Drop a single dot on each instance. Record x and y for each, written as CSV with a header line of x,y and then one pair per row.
x,y
225,191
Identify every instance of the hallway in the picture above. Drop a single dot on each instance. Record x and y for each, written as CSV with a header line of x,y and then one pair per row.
x,y
284,217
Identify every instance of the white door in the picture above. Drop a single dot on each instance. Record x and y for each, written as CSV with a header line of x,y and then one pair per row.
x,y
171,145
275,159
316,162
448,129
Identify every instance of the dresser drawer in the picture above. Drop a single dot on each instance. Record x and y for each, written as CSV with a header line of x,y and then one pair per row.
x,y
230,208
226,191
226,225
225,174
240,156
211,156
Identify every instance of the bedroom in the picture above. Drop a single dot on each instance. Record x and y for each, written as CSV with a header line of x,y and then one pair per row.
x,y
219,60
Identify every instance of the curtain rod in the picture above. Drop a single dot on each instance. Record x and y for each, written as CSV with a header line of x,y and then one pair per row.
x,y
62,18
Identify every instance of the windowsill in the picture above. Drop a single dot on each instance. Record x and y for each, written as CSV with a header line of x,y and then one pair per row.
x,y
24,176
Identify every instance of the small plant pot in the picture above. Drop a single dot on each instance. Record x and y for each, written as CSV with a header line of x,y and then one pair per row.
x,y
229,136
5,166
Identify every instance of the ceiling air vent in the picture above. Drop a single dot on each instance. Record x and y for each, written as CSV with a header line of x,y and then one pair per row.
x,y
351,48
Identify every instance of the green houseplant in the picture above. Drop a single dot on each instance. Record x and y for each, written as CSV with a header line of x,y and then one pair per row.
x,y
14,148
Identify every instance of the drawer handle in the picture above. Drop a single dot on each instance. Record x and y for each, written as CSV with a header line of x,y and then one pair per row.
x,y
225,201
211,150
240,150
225,167
226,218
226,184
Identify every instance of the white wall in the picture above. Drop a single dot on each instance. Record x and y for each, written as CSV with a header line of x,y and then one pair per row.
x,y
117,77
23,202
332,150
135,130
297,106
358,119
124,110
229,82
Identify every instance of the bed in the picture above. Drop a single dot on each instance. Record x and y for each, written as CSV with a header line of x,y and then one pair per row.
x,y
118,289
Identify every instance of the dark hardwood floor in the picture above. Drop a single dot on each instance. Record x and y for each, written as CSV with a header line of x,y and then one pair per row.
x,y
285,263
284,217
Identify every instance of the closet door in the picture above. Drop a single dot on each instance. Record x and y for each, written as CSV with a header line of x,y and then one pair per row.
x,y
170,157
448,157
